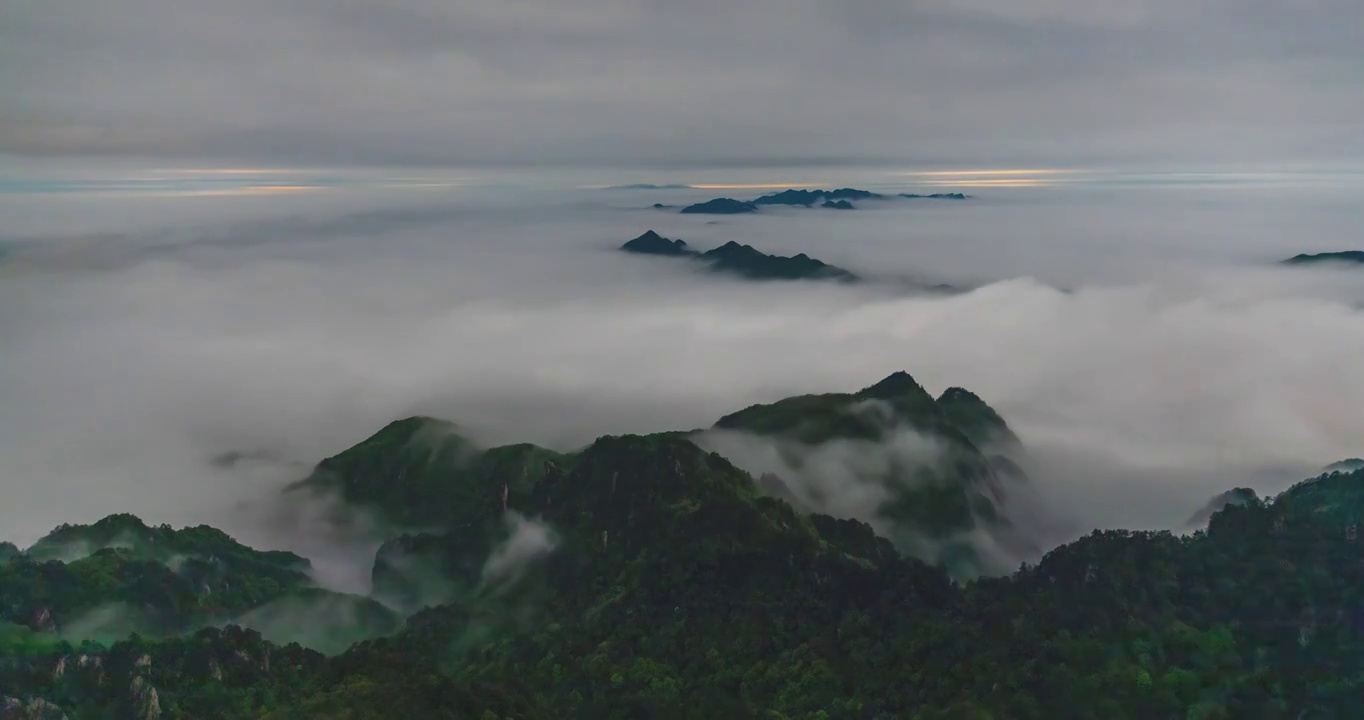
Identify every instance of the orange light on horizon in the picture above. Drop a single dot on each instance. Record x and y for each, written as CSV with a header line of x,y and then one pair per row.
x,y
977,173
1002,182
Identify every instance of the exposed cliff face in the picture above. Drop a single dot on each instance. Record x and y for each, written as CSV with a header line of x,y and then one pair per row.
x,y
143,700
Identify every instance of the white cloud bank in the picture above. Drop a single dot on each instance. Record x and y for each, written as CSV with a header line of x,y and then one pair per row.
x,y
1172,369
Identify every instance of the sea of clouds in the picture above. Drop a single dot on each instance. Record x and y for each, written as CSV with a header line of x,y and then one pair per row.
x,y
1140,340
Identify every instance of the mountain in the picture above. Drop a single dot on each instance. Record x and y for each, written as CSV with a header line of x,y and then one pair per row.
x,y
951,485
897,400
679,591
651,243
1333,500
421,471
721,206
1347,465
809,198
646,577
836,199
1235,496
322,620
742,260
746,261
100,581
1348,256
135,539
976,420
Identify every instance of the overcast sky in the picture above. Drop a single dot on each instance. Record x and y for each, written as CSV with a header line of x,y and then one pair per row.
x,y
679,82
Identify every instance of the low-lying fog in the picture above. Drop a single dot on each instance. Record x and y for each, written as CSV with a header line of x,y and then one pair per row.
x,y
1139,339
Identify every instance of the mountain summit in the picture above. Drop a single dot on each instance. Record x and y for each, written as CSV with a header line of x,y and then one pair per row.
x,y
651,243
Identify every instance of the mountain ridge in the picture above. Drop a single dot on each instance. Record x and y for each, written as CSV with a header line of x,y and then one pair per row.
x,y
745,261
646,576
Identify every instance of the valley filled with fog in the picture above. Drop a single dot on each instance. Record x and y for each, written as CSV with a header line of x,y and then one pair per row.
x,y
185,356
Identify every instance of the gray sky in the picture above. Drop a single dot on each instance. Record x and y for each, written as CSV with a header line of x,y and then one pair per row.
x,y
631,82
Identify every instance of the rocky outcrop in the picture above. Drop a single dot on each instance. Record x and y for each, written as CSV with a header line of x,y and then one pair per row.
x,y
144,702
36,709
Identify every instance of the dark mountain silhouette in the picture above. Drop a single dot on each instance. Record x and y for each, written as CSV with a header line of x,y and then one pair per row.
x,y
809,198
721,206
651,243
839,199
741,260
746,261
1353,257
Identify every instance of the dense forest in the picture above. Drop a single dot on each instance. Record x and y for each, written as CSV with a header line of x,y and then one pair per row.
x,y
647,577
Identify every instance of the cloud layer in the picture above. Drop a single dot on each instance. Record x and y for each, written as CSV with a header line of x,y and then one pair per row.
x,y
700,81
1142,382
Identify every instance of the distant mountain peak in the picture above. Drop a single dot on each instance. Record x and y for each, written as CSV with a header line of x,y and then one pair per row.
x,y
651,243
893,385
750,262
830,198
720,206
420,471
739,259
1355,257
975,418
